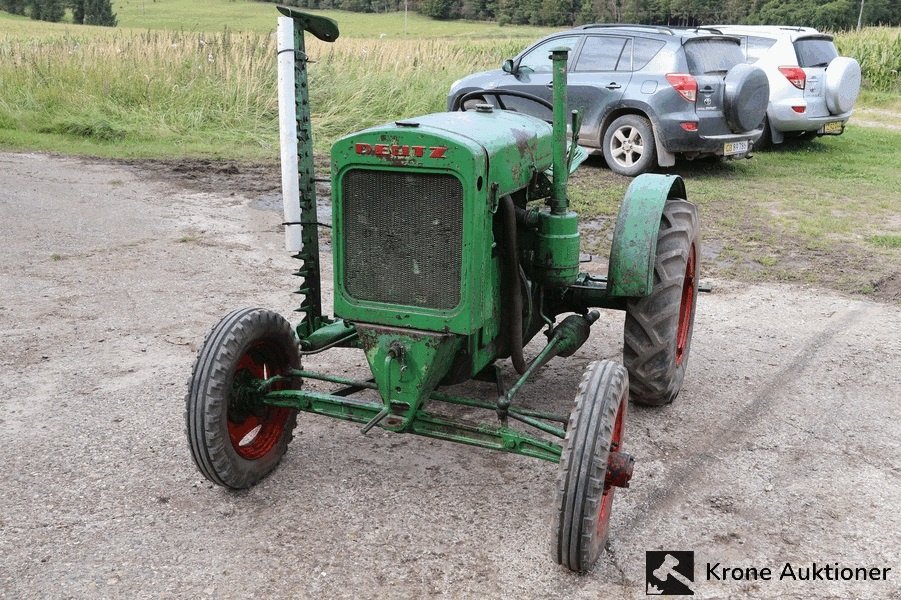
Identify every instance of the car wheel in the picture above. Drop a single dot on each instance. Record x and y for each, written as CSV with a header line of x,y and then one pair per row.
x,y
766,139
629,146
472,103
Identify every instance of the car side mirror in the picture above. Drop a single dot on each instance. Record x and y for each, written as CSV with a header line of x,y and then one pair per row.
x,y
508,66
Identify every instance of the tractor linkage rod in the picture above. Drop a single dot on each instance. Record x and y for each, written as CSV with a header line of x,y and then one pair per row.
x,y
527,416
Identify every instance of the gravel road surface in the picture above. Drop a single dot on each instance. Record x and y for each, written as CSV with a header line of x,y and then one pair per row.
x,y
783,447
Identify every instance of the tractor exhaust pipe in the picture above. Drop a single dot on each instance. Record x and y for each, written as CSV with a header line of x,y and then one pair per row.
x,y
559,202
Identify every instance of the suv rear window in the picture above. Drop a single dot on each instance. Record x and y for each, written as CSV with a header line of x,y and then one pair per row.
x,y
815,52
710,55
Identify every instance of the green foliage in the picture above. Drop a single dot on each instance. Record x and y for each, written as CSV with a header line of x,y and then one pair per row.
x,y
886,241
878,50
438,9
16,7
99,12
47,10
823,14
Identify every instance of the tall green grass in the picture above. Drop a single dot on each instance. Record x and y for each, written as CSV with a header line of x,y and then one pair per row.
x,y
158,92
218,90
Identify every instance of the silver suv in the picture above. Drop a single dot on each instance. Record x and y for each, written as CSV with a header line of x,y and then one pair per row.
x,y
812,88
647,93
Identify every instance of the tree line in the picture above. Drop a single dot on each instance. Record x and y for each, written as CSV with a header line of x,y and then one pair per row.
x,y
84,12
822,14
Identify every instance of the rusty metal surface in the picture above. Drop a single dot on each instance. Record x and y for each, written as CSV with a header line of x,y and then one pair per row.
x,y
619,469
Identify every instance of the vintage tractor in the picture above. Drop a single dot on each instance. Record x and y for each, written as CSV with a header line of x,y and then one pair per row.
x,y
453,246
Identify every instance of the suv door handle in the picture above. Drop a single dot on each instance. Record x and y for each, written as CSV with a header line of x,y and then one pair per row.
x,y
613,86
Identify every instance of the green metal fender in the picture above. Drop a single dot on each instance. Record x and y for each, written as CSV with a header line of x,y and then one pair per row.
x,y
634,250
322,27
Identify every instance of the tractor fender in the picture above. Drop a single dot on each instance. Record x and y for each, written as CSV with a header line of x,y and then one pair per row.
x,y
634,251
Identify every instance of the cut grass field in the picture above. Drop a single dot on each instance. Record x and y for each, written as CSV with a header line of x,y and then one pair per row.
x,y
172,81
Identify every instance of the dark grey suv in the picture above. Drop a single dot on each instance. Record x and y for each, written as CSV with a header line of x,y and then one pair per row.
x,y
646,93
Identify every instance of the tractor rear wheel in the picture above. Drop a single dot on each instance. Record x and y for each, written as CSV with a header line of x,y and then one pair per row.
x,y
657,334
236,439
591,466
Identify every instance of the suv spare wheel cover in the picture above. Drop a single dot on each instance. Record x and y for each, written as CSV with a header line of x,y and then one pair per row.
x,y
842,84
746,97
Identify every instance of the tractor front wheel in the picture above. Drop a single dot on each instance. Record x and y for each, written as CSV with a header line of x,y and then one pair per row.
x,y
236,439
592,466
657,334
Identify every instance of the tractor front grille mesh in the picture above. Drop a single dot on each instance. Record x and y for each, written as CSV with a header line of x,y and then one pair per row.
x,y
403,237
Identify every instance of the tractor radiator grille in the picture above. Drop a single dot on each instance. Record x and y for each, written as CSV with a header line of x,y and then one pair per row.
x,y
403,238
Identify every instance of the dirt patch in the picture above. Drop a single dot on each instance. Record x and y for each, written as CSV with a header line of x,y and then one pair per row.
x,y
888,288
754,252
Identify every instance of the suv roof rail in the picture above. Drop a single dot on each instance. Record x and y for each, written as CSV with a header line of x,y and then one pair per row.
x,y
657,28
711,29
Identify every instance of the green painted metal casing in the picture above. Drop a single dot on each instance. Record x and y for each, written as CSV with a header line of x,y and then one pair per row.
x,y
491,154
634,249
557,249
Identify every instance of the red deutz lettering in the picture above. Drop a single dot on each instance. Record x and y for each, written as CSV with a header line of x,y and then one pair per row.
x,y
398,151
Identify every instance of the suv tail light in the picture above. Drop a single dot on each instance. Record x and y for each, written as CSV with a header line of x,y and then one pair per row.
x,y
685,84
795,75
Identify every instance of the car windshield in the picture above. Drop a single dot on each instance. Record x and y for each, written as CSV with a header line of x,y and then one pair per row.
x,y
712,55
538,59
815,52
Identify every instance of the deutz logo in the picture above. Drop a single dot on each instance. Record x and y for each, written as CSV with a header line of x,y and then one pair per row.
x,y
396,151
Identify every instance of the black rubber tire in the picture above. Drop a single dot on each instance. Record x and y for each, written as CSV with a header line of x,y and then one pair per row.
x,y
244,338
472,103
618,149
745,97
658,329
765,141
580,530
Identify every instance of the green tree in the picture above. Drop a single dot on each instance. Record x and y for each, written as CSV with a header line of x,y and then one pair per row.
x,y
438,9
16,7
99,12
77,11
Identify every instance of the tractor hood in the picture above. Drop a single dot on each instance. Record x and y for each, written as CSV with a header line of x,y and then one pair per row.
x,y
511,145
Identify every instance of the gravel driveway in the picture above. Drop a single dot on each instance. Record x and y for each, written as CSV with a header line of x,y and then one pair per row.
x,y
783,447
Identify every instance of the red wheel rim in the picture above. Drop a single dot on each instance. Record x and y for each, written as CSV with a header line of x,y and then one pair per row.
x,y
686,307
615,443
254,435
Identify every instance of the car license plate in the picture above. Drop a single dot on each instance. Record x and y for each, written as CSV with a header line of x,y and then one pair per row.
x,y
735,148
833,127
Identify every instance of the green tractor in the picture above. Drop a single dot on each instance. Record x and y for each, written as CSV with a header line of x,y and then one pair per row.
x,y
453,246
